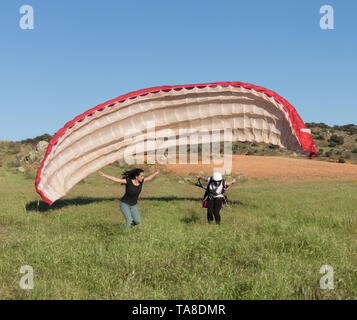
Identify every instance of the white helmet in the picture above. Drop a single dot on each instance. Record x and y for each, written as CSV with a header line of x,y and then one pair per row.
x,y
217,176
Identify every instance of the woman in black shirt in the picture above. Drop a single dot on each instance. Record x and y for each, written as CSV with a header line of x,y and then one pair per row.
x,y
133,180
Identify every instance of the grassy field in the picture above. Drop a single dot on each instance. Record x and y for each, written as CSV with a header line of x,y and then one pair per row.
x,y
273,239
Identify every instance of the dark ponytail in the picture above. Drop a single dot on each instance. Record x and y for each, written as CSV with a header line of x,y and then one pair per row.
x,y
132,174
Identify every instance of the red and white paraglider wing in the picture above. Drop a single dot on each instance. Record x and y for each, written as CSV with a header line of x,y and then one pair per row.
x,y
97,137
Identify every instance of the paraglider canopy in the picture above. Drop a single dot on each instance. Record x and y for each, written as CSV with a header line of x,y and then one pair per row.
x,y
98,137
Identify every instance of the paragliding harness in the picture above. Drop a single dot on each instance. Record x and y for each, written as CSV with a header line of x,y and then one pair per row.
x,y
206,195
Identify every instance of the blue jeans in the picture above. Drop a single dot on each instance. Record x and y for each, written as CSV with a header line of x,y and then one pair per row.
x,y
131,213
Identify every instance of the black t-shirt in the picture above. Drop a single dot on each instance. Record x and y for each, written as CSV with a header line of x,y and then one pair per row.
x,y
131,192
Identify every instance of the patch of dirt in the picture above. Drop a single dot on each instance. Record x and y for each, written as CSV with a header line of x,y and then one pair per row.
x,y
277,168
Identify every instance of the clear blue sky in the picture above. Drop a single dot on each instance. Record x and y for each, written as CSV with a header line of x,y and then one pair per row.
x,y
82,53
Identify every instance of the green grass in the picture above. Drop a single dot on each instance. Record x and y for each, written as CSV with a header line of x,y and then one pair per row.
x,y
273,239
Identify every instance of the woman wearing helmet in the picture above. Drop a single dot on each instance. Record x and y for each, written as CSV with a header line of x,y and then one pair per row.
x,y
215,195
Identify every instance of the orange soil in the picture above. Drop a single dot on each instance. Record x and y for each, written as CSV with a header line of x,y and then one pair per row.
x,y
275,168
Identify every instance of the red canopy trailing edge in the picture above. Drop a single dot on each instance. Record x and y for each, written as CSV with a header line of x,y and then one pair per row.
x,y
95,138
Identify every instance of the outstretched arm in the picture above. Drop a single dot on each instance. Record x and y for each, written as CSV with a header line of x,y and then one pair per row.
x,y
115,179
230,183
202,178
150,177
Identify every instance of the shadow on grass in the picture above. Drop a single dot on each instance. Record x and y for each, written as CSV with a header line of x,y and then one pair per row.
x,y
42,206
189,220
59,204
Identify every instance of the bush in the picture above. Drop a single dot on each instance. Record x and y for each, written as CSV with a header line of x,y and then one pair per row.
x,y
36,140
354,151
13,147
341,160
319,137
317,125
332,144
349,128
337,139
273,146
235,148
328,154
